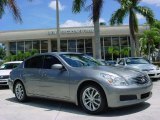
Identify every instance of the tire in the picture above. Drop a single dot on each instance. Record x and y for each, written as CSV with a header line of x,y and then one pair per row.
x,y
20,92
92,99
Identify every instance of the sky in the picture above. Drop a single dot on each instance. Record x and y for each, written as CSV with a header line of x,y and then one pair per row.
x,y
41,14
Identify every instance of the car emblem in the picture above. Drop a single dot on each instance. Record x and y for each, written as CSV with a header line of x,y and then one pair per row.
x,y
143,80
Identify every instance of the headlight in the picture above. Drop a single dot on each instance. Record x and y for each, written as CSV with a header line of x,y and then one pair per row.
x,y
114,79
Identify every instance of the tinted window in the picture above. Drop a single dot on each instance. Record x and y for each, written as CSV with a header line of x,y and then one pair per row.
x,y
35,62
49,61
136,61
9,65
80,60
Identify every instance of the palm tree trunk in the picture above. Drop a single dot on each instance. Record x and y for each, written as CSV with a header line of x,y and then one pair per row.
x,y
132,35
97,42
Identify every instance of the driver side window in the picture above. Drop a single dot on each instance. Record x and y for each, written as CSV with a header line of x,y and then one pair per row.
x,y
50,60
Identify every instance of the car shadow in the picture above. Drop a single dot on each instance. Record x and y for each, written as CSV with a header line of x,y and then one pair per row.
x,y
49,105
4,87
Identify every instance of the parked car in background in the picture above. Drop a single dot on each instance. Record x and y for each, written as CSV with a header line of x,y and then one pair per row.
x,y
79,79
111,62
5,70
108,62
141,64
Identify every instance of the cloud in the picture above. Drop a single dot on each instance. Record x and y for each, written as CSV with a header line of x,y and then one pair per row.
x,y
52,5
152,2
140,17
73,23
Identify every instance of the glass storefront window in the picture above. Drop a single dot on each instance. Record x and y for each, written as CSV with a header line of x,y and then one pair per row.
x,y
36,45
80,43
63,45
107,41
124,41
80,46
88,46
115,41
44,46
12,46
20,46
54,45
28,46
72,45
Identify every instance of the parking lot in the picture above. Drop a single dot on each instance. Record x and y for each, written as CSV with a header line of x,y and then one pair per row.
x,y
42,109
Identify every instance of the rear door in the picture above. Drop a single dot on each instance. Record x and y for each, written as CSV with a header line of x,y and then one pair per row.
x,y
32,75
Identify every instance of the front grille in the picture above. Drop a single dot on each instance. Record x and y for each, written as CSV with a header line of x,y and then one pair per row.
x,y
151,75
127,97
3,83
4,77
141,80
143,96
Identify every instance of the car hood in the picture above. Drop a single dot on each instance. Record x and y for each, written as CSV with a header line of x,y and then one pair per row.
x,y
143,67
121,71
5,72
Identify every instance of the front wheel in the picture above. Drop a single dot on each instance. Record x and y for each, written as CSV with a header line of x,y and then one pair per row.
x,y
20,92
92,99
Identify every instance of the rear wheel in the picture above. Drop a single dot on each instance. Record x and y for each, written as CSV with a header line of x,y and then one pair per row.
x,y
20,92
92,99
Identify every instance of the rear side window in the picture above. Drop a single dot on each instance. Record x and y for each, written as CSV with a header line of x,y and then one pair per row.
x,y
34,62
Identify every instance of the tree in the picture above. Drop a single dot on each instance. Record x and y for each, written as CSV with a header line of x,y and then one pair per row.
x,y
2,52
113,51
21,56
130,8
11,4
95,7
150,39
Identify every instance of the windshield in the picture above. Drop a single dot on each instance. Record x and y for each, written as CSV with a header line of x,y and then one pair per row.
x,y
80,60
9,65
136,61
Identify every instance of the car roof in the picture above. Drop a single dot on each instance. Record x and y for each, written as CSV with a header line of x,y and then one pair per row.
x,y
13,62
58,53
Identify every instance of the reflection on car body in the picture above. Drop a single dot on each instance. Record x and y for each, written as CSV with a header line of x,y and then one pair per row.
x,y
79,79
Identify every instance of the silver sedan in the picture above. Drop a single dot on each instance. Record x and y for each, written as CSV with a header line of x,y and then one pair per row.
x,y
79,79
141,64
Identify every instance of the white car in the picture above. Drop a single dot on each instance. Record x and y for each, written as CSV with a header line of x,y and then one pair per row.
x,y
141,64
5,70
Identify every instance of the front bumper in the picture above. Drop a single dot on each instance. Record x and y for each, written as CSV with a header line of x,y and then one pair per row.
x,y
124,96
3,82
10,83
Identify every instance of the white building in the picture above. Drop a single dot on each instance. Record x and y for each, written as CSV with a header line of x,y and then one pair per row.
x,y
77,39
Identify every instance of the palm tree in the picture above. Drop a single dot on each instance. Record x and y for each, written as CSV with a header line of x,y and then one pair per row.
x,y
130,8
95,7
11,4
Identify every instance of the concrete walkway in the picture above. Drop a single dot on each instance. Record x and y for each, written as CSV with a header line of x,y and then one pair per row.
x,y
42,109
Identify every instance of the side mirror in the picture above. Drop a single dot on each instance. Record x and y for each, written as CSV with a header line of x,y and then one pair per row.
x,y
57,66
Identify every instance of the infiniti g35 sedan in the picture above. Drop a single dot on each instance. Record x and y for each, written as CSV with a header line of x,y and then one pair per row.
x,y
80,79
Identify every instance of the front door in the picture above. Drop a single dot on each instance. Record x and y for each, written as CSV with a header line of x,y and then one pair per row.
x,y
54,82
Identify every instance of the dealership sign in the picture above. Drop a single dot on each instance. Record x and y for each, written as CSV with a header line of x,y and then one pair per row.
x,y
69,31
